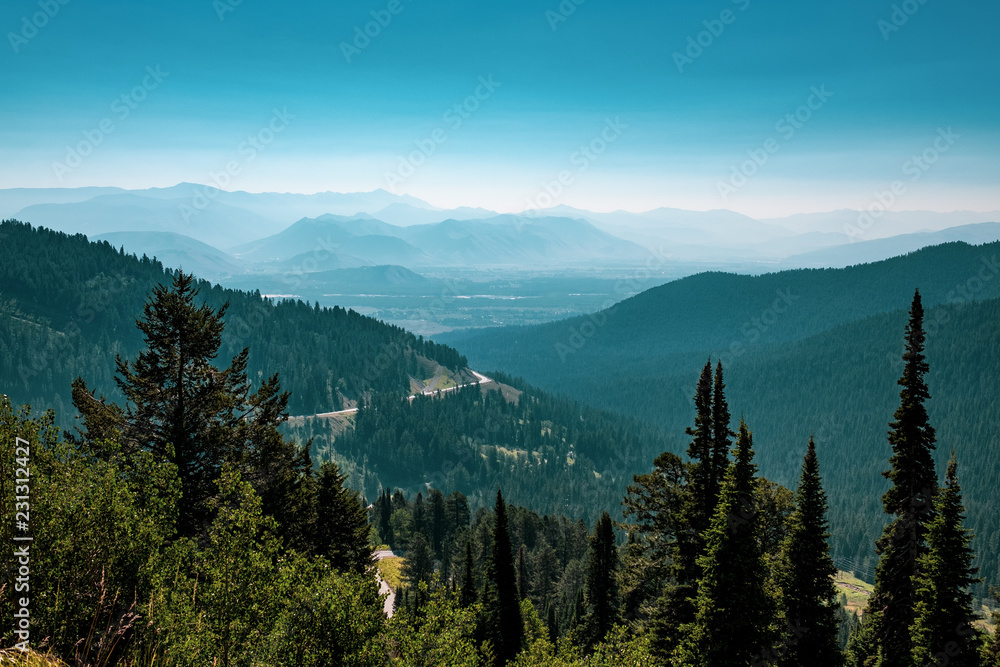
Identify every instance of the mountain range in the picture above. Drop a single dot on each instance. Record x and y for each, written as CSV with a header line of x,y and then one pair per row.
x,y
282,232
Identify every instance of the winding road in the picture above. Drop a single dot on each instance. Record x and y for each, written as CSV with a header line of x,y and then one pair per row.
x,y
384,587
426,392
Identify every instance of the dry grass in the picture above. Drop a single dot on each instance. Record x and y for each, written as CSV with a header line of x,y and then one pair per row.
x,y
390,569
13,656
856,590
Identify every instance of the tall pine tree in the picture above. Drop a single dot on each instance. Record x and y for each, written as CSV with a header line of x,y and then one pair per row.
x,y
909,500
805,577
341,522
735,613
601,585
501,597
676,608
943,632
180,406
468,595
721,437
701,451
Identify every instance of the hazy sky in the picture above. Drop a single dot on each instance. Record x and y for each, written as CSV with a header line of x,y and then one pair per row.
x,y
632,104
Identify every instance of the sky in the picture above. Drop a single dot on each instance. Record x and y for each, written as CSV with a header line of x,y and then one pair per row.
x,y
763,108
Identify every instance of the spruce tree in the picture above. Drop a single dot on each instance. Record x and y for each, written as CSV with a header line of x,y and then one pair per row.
x,y
721,436
341,523
438,522
417,568
862,650
420,522
992,651
522,572
943,631
676,606
457,510
735,612
805,577
280,470
601,582
504,607
553,625
701,451
179,405
468,595
909,500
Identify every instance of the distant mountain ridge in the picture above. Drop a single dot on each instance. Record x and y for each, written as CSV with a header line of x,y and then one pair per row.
x,y
228,220
494,241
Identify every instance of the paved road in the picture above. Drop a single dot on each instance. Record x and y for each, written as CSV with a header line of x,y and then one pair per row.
x,y
429,389
480,380
384,587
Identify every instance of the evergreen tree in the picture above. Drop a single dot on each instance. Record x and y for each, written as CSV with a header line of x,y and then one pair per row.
x,y
457,509
651,593
417,568
438,521
179,406
701,451
601,584
943,630
522,573
675,607
721,436
383,510
341,522
553,625
280,470
992,652
909,500
735,612
805,577
862,650
468,596
420,523
504,607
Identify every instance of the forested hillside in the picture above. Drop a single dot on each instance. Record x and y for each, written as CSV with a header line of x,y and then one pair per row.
x,y
729,314
69,306
799,370
552,455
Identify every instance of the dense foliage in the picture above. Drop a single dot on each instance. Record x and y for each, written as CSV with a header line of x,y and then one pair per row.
x,y
547,453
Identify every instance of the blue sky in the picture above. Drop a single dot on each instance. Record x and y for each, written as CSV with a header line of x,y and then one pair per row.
x,y
662,129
